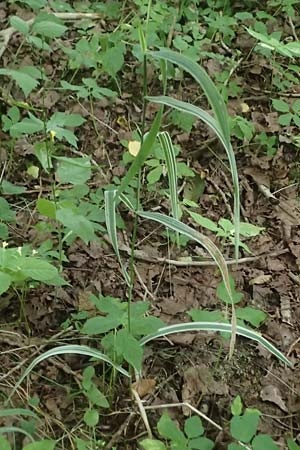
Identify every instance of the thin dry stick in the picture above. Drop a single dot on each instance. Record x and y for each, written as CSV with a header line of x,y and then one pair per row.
x,y
192,408
142,411
141,255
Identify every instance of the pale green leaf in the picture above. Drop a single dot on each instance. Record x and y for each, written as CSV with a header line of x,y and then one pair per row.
x,y
193,427
77,223
73,170
264,442
129,348
46,444
19,24
167,429
243,428
5,282
26,82
251,315
49,29
100,325
5,445
237,406
91,417
37,269
152,444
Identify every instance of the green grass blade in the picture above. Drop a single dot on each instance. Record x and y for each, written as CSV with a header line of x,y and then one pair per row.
x,y
221,117
18,412
213,96
189,109
143,153
111,226
215,326
212,249
169,152
69,349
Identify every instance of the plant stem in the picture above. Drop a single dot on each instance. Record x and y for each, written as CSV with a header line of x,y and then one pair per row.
x,y
135,226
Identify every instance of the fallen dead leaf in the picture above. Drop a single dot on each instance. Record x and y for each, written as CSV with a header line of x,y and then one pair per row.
x,y
261,279
144,386
272,394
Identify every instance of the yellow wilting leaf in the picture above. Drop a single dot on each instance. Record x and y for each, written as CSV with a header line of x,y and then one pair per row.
x,y
245,107
122,121
134,147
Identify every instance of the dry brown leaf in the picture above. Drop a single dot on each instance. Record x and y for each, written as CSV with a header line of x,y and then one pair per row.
x,y
144,386
272,394
261,279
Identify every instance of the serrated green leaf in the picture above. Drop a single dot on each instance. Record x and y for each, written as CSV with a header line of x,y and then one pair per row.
x,y
24,81
19,24
154,175
6,213
204,222
129,348
140,326
73,170
251,315
100,325
46,208
113,60
222,292
250,230
29,125
77,223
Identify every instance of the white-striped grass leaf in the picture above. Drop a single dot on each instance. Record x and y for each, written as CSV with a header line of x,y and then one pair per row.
x,y
212,249
69,349
111,226
221,115
169,152
18,412
216,326
192,234
213,96
142,154
189,109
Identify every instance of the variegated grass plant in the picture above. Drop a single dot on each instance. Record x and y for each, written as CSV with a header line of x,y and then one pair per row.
x,y
218,121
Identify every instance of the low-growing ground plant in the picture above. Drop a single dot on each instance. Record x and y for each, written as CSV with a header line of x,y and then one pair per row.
x,y
72,209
